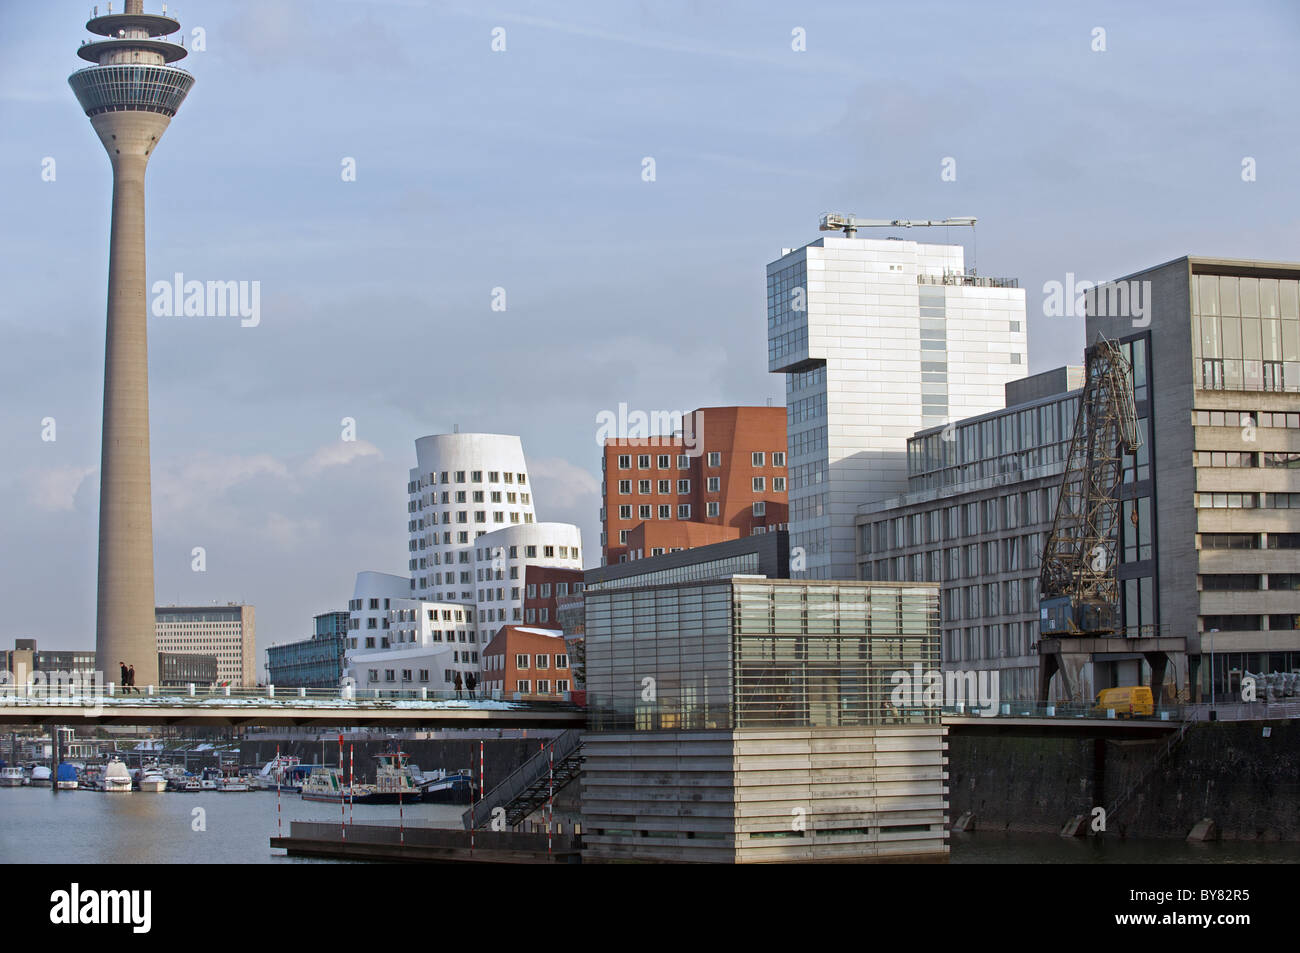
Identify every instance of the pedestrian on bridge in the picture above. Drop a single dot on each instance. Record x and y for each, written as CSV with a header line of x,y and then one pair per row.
x,y
456,680
125,683
130,679
470,681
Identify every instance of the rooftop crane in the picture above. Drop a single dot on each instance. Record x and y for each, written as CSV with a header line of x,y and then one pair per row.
x,y
848,224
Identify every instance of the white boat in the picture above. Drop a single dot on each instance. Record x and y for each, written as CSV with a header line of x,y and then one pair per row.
x,y
190,785
41,776
117,779
152,782
67,777
232,783
12,777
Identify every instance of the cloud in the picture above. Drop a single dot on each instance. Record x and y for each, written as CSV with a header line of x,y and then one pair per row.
x,y
55,489
562,486
339,454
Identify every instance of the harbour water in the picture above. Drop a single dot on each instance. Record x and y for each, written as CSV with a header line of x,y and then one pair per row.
x,y
87,827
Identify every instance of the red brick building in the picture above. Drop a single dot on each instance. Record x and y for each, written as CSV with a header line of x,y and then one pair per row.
x,y
726,480
542,586
527,661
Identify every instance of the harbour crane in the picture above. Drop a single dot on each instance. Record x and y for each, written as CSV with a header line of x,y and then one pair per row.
x,y
1079,589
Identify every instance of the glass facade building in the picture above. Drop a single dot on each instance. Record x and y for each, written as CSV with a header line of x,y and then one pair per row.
x,y
317,662
748,652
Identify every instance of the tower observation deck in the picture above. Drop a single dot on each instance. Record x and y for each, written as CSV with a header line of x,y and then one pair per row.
x,y
130,94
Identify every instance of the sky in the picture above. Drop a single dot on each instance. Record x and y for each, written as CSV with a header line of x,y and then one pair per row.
x,y
518,176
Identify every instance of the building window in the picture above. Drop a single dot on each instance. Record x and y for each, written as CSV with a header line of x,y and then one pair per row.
x,y
643,461
643,511
665,486
521,662
624,487
625,461
543,687
625,512
543,661
561,686
390,675
778,459
683,511
665,511
683,462
523,686
712,508
664,461
715,459
374,674
715,484
778,484
561,661
759,484
760,508
756,458
683,487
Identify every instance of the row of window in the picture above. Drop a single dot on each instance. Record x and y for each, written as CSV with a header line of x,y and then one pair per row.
x,y
480,516
523,660
530,552
757,458
480,496
1249,541
1239,582
1238,458
475,476
1247,419
524,686
1284,622
713,485
390,675
1248,501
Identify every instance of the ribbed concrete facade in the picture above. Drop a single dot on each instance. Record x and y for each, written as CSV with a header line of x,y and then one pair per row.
x,y
130,97
766,795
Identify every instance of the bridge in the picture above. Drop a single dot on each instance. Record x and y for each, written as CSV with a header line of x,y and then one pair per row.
x,y
296,707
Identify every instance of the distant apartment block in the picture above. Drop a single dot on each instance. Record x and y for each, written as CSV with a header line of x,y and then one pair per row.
x,y
25,659
877,339
228,632
725,479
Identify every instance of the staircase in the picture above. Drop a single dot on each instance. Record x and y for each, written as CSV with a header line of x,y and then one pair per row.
x,y
1156,761
529,786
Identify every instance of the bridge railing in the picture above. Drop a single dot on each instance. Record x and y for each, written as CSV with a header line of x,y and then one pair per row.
x,y
72,692
1034,709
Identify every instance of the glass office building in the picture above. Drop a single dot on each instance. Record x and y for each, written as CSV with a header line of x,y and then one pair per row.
x,y
311,663
722,709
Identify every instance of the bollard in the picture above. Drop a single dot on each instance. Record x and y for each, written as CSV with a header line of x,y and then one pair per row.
x,y
424,694
1110,713
226,690
1051,711
302,693
111,689
191,687
150,687
270,691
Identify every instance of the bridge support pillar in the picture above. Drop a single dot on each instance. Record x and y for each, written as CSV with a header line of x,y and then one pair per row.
x,y
1159,662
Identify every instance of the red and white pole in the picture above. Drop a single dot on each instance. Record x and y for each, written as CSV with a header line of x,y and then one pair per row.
x,y
352,778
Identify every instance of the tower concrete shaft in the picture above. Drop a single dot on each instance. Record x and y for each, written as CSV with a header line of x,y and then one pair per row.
x,y
130,96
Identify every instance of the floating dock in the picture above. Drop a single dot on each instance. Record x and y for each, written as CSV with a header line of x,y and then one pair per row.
x,y
391,844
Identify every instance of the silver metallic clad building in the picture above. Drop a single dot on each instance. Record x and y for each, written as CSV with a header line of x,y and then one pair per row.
x,y
877,339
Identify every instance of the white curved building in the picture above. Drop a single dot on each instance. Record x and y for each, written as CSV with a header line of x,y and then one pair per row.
x,y
500,559
471,534
463,486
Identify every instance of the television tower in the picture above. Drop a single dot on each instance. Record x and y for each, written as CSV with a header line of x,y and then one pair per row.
x,y
130,95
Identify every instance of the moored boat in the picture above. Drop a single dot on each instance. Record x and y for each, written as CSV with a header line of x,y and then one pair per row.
x,y
66,779
12,777
117,779
41,776
152,782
